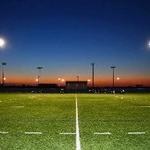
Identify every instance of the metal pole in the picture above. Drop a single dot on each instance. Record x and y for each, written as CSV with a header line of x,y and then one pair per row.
x,y
78,78
3,73
38,79
2,76
113,76
93,74
39,72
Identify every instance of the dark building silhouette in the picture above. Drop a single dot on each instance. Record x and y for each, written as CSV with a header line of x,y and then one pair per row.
x,y
76,85
46,85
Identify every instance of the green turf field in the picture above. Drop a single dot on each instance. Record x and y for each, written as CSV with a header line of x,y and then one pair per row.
x,y
106,122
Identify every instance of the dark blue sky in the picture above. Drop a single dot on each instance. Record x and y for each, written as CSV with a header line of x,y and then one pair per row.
x,y
65,36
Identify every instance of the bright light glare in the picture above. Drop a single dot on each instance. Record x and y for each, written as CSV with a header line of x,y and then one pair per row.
x,y
2,43
148,44
89,80
4,78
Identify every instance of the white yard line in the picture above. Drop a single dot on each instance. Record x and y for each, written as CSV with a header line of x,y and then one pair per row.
x,y
67,133
18,106
145,106
2,132
102,133
78,145
36,133
135,133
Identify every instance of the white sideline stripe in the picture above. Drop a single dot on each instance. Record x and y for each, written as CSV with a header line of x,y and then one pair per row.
x,y
78,145
36,133
2,132
136,133
67,133
102,133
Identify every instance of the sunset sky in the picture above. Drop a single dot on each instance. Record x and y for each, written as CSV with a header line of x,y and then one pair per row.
x,y
65,36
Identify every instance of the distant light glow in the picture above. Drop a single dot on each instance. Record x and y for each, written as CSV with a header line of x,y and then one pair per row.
x,y
2,42
118,78
36,79
89,80
62,80
4,78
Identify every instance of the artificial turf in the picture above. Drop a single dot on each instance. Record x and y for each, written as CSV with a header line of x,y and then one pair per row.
x,y
53,114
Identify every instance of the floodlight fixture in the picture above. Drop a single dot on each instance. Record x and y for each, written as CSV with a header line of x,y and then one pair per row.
x,y
62,80
118,78
88,80
2,43
148,44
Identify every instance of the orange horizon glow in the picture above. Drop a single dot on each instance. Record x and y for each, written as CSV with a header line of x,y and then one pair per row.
x,y
99,81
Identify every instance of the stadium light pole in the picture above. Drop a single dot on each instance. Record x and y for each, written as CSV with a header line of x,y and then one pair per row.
x,y
77,78
93,74
113,76
3,73
39,74
2,45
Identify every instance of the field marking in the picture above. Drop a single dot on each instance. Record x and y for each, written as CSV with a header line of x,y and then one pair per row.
x,y
136,133
21,106
67,133
148,106
3,132
35,133
102,133
78,145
